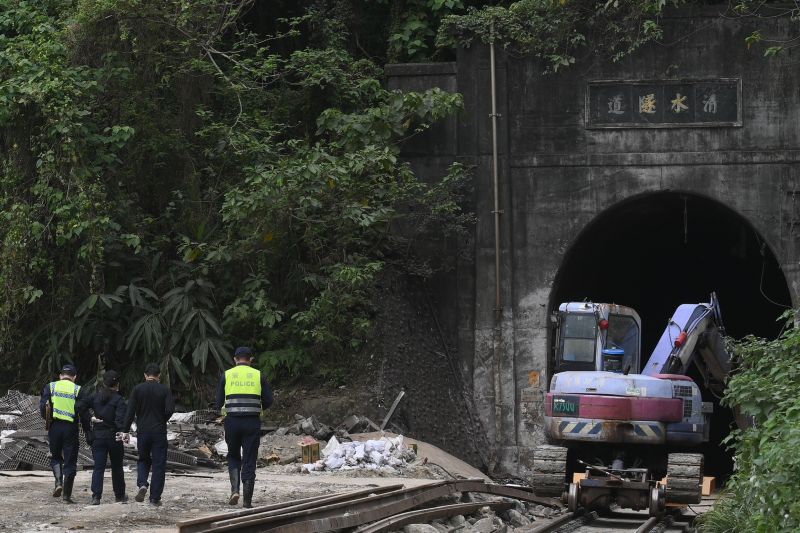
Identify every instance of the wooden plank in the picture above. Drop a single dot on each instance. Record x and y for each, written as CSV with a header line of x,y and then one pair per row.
x,y
709,485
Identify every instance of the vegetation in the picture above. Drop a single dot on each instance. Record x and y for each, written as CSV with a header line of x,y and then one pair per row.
x,y
177,178
771,44
559,31
762,495
181,177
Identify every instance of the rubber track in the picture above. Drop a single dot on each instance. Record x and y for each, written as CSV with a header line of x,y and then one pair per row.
x,y
549,470
684,478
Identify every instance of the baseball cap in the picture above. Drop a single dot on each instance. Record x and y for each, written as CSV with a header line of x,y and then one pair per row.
x,y
242,351
69,370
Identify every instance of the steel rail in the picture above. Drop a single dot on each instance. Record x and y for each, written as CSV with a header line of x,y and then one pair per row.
x,y
353,512
335,520
657,524
395,522
573,522
558,522
206,523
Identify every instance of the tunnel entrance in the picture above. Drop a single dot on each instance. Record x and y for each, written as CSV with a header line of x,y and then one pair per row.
x,y
657,251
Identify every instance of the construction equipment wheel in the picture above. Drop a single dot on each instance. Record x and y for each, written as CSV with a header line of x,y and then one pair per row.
x,y
658,501
549,470
684,478
573,497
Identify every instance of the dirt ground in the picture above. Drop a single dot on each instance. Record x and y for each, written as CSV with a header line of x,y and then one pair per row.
x,y
26,503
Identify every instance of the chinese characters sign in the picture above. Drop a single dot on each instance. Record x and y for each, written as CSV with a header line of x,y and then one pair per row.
x,y
663,104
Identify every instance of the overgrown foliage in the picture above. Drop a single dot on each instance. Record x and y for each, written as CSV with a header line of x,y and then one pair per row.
x,y
180,177
763,496
755,9
559,31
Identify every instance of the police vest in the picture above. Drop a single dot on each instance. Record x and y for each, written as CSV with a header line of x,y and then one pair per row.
x,y
243,390
62,395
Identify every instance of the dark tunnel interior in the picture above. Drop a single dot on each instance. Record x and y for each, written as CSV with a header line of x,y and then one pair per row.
x,y
657,251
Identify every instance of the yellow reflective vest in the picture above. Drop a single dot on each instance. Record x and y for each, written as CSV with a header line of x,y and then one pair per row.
x,y
243,390
62,396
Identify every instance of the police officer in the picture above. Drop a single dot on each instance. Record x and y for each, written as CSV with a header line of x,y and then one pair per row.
x,y
65,399
242,393
109,410
151,403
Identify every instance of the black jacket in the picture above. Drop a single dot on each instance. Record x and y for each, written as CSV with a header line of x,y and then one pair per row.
x,y
151,404
110,410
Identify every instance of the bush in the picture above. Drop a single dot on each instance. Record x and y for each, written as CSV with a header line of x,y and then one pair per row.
x,y
763,495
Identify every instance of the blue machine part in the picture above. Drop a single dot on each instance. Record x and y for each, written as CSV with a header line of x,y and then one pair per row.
x,y
612,360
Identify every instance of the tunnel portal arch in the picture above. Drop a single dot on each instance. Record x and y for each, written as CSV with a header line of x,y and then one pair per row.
x,y
656,251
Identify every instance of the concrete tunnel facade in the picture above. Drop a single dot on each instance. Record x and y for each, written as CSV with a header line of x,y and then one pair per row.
x,y
646,215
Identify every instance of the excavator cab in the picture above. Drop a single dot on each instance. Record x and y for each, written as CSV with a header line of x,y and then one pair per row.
x,y
597,337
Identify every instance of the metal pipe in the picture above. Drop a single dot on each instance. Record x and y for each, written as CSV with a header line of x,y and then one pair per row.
x,y
497,309
498,313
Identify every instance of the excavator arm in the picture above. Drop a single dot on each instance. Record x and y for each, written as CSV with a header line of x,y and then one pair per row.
x,y
694,334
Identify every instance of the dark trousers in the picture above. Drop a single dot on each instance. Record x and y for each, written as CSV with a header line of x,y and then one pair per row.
x,y
152,454
242,435
63,437
102,448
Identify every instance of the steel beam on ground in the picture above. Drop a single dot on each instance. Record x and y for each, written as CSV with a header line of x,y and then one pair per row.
x,y
358,512
395,522
209,523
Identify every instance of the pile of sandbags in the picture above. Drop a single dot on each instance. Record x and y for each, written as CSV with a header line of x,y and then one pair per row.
x,y
387,455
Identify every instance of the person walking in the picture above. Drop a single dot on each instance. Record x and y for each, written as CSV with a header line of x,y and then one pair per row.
x,y
57,405
243,392
151,404
109,410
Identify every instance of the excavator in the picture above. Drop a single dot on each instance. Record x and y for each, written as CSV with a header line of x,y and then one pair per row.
x,y
634,435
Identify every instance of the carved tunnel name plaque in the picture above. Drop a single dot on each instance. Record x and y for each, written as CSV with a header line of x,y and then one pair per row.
x,y
664,103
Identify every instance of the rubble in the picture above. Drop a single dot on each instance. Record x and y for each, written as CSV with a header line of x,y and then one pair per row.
x,y
196,441
23,438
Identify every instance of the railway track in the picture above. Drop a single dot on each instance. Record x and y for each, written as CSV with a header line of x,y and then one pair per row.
x,y
382,509
618,521
371,510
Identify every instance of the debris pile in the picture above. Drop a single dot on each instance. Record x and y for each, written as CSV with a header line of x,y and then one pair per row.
x,y
386,454
24,446
196,441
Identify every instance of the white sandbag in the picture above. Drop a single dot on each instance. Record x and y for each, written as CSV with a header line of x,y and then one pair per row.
x,y
332,446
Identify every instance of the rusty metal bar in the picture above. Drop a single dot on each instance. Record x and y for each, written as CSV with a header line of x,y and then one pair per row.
x,y
207,523
395,522
350,510
522,493
556,524
359,512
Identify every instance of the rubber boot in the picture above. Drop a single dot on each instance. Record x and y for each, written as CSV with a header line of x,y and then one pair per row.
x,y
248,493
234,498
67,495
59,481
